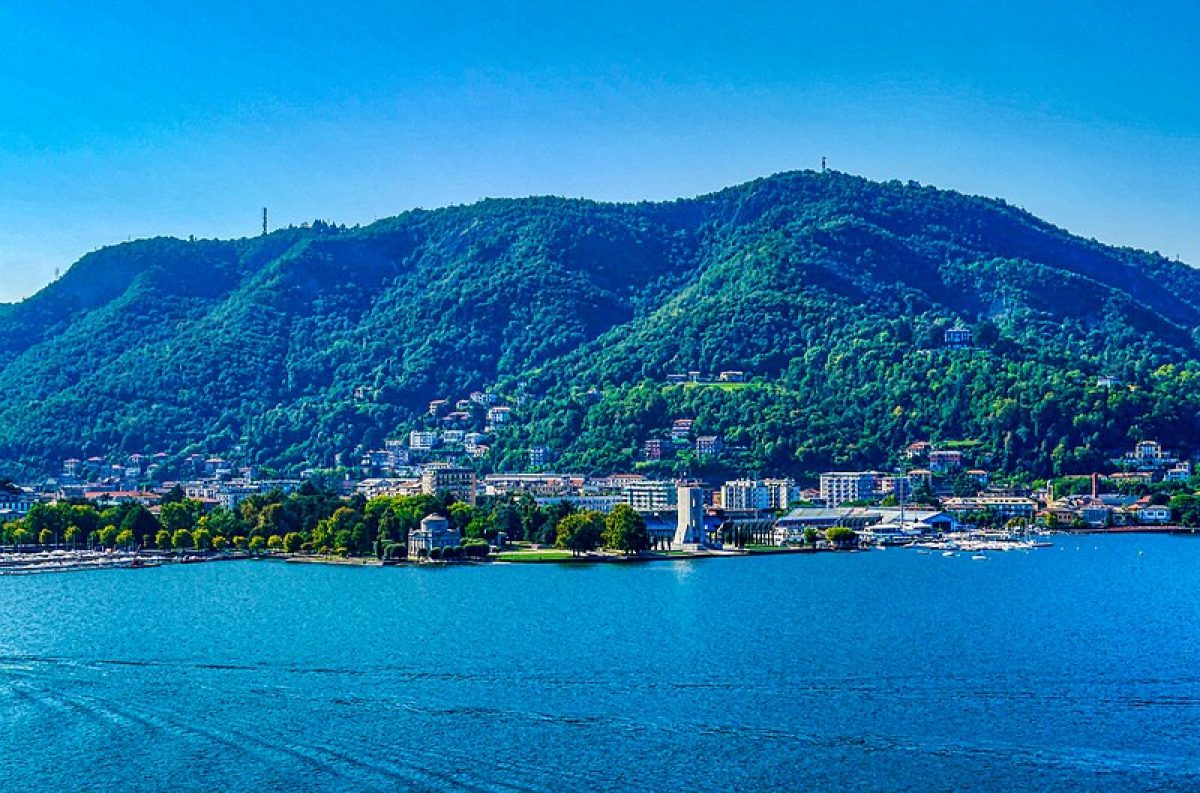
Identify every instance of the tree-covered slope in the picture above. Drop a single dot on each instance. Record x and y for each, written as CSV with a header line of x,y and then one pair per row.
x,y
833,291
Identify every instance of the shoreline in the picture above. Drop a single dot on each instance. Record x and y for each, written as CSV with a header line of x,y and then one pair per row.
x,y
61,561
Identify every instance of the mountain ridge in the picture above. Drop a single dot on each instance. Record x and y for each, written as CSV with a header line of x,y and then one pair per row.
x,y
255,347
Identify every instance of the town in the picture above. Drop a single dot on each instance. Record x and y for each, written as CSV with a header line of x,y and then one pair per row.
x,y
451,512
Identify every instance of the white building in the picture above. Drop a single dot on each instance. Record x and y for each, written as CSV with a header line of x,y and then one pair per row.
x,y
435,532
585,502
422,440
1155,515
745,494
838,487
759,494
651,495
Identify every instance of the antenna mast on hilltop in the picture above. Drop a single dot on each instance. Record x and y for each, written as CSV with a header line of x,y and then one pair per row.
x,y
822,165
264,221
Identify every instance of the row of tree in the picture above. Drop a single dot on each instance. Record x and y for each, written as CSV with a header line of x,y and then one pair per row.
x,y
320,521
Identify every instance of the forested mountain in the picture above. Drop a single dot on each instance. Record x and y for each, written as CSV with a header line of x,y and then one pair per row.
x,y
310,345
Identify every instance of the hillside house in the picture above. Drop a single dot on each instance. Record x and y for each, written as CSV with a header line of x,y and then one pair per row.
x,y
958,337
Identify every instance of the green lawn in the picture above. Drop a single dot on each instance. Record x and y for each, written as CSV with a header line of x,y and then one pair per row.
x,y
533,556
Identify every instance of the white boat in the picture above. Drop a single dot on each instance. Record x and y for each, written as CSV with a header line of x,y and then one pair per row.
x,y
979,557
947,553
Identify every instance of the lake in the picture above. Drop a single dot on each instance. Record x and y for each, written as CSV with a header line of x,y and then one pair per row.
x,y
1070,668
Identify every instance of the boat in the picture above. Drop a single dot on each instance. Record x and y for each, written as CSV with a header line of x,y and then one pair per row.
x,y
947,553
979,557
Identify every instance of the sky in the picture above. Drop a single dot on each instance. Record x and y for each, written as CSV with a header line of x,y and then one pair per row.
x,y
126,120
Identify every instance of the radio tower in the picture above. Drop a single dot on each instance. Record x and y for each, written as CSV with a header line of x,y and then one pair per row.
x,y
264,221
822,165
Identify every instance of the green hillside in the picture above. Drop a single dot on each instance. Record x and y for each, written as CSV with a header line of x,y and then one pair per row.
x,y
310,345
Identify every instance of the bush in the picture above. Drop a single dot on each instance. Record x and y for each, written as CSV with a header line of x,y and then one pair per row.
x,y
475,549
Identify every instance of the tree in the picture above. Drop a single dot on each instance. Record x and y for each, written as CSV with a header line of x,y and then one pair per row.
x,y
139,522
292,542
163,539
625,530
219,542
580,532
256,544
184,514
45,537
124,539
810,536
841,537
202,539
222,521
506,518
107,535
275,542
181,539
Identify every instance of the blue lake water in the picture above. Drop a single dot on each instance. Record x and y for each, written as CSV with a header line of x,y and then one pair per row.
x,y
1070,668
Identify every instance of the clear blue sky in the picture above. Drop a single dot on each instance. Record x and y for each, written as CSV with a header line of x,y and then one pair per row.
x,y
180,118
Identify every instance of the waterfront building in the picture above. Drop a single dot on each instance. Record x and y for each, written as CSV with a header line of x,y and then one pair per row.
x,y
1154,514
435,532
1002,506
838,487
754,494
650,495
745,494
914,520
1096,513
